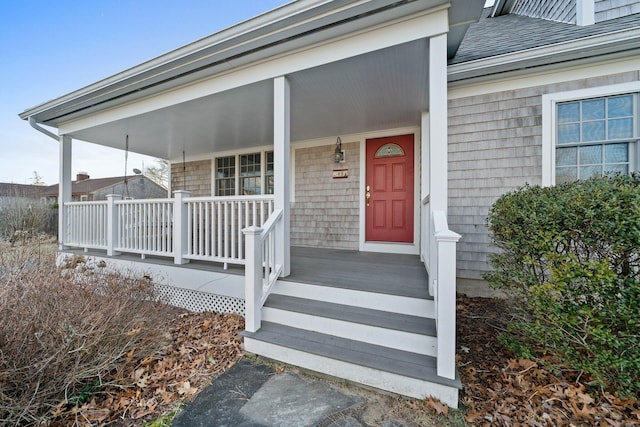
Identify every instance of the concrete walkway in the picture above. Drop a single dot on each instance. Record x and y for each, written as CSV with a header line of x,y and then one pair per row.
x,y
251,394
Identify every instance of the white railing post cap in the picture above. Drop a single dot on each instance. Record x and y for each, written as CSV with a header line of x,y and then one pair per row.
x,y
185,192
447,236
252,230
114,196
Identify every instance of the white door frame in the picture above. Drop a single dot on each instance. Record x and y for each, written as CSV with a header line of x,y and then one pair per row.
x,y
392,247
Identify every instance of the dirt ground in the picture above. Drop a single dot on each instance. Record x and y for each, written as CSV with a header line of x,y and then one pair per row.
x,y
497,388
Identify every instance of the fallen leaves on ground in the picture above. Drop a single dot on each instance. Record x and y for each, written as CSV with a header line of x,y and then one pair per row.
x,y
200,347
499,389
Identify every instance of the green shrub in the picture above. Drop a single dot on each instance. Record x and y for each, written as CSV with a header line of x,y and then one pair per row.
x,y
570,256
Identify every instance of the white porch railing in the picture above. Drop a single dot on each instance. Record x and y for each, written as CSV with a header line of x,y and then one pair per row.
x,y
86,225
199,228
214,231
262,268
145,226
442,276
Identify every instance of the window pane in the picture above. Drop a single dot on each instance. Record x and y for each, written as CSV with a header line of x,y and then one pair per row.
x,y
250,186
268,189
593,109
616,153
568,112
620,106
616,169
590,155
566,156
587,172
593,131
620,128
250,182
566,175
568,133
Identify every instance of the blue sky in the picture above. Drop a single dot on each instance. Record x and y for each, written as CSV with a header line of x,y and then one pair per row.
x,y
50,48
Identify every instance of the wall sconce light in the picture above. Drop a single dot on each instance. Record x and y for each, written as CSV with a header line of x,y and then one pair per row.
x,y
339,154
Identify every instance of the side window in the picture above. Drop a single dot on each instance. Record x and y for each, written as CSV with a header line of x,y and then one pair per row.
x,y
226,176
247,171
250,174
595,137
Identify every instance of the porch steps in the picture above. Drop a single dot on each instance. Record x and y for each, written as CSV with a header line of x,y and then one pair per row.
x,y
398,371
400,331
380,340
344,294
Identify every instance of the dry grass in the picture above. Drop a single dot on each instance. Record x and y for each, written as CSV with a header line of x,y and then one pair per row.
x,y
61,335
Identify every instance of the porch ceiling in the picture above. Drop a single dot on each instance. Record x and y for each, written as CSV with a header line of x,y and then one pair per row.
x,y
382,89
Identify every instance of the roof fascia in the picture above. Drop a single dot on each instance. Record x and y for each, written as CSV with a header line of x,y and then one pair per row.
x,y
252,25
593,48
223,50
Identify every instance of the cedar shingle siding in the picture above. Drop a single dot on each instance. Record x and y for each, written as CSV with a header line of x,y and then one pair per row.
x,y
198,179
495,146
325,213
611,9
554,10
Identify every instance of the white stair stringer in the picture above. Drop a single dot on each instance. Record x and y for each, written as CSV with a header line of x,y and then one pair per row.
x,y
375,301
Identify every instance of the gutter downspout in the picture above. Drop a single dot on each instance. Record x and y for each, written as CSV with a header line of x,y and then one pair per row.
x,y
34,124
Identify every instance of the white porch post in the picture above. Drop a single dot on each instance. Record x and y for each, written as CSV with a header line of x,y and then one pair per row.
x,y
282,167
180,226
425,212
438,122
253,279
64,188
437,140
112,223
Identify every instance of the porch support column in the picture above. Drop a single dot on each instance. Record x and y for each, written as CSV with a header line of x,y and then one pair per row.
x,y
282,168
438,180
64,188
437,143
425,212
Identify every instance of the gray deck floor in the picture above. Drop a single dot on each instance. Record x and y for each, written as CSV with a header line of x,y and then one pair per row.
x,y
367,271
395,274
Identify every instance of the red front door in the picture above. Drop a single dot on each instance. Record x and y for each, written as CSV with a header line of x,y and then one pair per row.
x,y
389,189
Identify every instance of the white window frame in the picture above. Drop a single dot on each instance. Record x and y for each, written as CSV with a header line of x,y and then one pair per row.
x,y
263,169
549,102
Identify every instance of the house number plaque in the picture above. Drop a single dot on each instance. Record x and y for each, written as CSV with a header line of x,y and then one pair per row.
x,y
340,173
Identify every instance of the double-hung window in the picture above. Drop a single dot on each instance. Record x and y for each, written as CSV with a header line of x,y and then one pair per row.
x,y
590,132
595,137
253,174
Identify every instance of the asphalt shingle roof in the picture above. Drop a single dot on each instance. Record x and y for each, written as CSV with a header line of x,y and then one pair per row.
x,y
87,186
512,33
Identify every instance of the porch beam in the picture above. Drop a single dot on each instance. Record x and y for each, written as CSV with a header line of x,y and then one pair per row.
x,y
412,28
282,168
64,188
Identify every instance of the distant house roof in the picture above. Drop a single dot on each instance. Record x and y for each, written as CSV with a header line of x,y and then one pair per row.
x,y
20,190
87,186
512,33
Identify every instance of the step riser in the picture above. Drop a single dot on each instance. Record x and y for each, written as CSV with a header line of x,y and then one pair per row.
x,y
401,340
371,377
391,303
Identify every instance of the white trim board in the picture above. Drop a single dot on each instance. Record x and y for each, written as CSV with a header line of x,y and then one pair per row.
x,y
544,78
549,102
